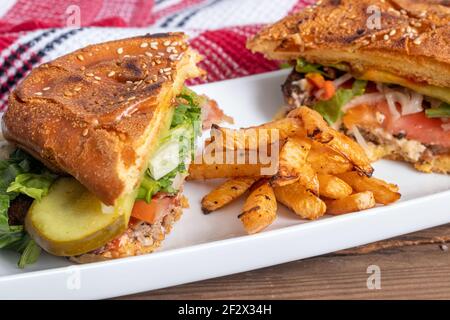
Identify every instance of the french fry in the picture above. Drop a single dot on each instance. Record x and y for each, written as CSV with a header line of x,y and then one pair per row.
x,y
384,193
217,171
303,202
226,193
332,187
260,209
251,138
325,160
353,203
317,129
313,123
293,166
352,151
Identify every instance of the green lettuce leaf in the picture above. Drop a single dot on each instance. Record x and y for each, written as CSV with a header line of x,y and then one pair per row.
x,y
20,173
33,185
331,109
443,111
30,253
187,113
306,67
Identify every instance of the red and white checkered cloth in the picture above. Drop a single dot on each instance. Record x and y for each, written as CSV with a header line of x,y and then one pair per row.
x,y
33,32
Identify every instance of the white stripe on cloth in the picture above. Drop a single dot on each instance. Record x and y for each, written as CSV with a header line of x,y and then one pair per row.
x,y
95,35
228,13
5,6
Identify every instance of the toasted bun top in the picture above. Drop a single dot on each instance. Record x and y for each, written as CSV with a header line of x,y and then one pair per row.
x,y
95,113
408,37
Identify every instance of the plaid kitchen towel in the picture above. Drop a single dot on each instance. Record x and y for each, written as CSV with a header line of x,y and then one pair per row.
x,y
33,32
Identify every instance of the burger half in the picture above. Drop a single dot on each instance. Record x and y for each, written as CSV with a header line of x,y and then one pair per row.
x,y
378,70
105,136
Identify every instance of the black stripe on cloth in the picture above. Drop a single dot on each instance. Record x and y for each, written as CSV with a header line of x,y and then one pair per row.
x,y
194,13
168,20
22,48
34,59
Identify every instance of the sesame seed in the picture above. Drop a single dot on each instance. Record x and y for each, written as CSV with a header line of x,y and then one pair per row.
x,y
38,93
82,68
418,41
80,57
144,45
112,73
148,54
175,43
167,69
46,88
89,74
129,82
386,37
85,132
120,50
154,77
131,98
77,89
173,57
393,32
154,45
166,43
126,56
365,42
97,78
423,14
373,37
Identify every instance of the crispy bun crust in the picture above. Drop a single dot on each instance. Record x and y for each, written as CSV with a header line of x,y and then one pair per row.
x,y
413,40
95,113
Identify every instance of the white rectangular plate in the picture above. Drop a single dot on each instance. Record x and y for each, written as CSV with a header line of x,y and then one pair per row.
x,y
202,247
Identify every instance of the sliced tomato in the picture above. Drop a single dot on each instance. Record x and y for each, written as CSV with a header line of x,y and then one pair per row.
x,y
363,115
416,127
151,212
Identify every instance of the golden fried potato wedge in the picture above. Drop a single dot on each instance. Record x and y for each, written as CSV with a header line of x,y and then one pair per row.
x,y
384,193
226,193
352,151
217,171
313,123
303,202
332,187
325,160
293,166
260,209
353,203
251,138
317,129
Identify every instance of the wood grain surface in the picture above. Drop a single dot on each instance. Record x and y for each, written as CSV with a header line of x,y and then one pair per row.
x,y
414,266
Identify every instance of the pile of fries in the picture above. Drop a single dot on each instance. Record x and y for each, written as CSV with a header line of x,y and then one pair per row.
x,y
318,171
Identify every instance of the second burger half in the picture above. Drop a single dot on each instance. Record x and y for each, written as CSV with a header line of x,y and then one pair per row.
x,y
377,70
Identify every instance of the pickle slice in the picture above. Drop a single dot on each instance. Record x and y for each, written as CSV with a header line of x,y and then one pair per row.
x,y
71,221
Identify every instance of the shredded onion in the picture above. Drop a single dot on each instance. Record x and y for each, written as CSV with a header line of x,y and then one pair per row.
x,y
391,100
341,80
178,180
319,94
359,138
414,105
369,98
446,126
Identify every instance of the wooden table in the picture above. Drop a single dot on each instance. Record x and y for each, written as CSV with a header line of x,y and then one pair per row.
x,y
415,266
